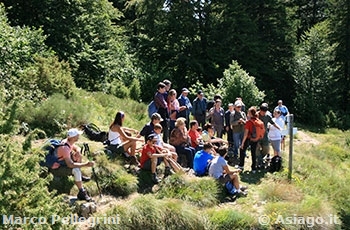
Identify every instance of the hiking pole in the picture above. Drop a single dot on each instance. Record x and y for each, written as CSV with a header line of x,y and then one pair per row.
x,y
88,153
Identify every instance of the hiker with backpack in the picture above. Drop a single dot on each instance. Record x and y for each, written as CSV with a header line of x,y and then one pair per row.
x,y
263,147
70,161
221,172
254,131
120,143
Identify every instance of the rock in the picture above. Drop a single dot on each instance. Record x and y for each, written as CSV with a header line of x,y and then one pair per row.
x,y
86,209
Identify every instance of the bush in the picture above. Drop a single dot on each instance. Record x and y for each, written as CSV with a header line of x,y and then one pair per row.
x,y
135,90
23,192
232,219
118,89
146,212
199,191
113,178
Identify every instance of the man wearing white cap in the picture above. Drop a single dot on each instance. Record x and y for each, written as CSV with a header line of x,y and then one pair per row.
x,y
69,157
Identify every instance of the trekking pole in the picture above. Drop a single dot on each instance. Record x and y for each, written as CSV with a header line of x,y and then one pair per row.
x,y
88,153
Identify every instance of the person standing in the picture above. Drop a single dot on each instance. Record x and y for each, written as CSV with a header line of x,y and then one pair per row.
x,y
275,135
263,148
185,106
237,120
228,127
162,106
199,108
216,115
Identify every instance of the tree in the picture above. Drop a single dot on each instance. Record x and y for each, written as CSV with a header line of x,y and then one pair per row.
x,y
238,83
83,34
313,75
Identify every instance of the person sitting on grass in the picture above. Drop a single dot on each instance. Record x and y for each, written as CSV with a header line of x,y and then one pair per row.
x,y
221,171
202,159
119,142
161,145
195,137
69,155
151,158
208,136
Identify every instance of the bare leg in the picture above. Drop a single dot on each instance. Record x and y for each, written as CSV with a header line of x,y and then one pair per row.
x,y
177,168
129,147
235,180
154,161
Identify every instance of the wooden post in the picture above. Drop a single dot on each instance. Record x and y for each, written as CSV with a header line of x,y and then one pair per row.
x,y
290,125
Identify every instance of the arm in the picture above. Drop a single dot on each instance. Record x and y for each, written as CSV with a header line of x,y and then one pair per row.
x,y
65,151
246,131
124,136
228,171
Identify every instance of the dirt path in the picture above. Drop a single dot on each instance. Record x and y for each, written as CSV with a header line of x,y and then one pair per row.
x,y
303,138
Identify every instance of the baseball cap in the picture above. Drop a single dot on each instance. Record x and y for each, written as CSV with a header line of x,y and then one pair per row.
x,y
156,116
151,136
238,103
185,90
200,92
264,107
74,132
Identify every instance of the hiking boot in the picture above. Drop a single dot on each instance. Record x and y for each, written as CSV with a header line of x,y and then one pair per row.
x,y
242,193
83,195
168,172
155,179
133,160
85,178
243,188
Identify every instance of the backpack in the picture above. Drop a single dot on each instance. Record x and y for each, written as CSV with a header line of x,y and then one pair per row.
x,y
51,153
231,189
275,164
94,133
258,130
151,108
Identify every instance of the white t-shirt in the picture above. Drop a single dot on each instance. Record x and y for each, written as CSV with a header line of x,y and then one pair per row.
x,y
274,133
216,168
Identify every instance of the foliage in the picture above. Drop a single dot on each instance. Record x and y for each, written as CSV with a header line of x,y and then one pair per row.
x,y
119,89
238,83
226,218
146,212
135,90
82,33
23,193
199,191
113,177
23,52
313,76
55,114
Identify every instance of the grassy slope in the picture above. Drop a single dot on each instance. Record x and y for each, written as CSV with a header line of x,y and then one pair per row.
x,y
319,187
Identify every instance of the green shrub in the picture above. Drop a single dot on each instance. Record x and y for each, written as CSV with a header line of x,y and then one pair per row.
x,y
135,90
199,191
113,178
228,218
118,89
23,192
146,212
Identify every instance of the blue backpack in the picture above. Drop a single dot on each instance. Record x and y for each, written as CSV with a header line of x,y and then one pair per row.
x,y
152,108
51,153
230,188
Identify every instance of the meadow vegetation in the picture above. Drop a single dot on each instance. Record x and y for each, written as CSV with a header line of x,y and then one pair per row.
x,y
319,185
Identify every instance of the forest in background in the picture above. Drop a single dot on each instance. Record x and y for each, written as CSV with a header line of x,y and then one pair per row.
x,y
293,50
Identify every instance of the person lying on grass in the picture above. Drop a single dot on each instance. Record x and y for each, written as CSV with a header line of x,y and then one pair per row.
x,y
151,157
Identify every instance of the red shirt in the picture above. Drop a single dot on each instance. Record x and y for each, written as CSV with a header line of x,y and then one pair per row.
x,y
249,125
144,156
194,135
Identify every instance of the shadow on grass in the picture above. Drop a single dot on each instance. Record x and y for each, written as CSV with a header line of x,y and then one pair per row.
x,y
253,178
145,183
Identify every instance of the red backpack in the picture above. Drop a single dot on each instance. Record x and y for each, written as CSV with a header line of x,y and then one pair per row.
x,y
258,130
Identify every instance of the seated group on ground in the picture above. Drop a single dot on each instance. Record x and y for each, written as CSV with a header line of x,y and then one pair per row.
x,y
192,145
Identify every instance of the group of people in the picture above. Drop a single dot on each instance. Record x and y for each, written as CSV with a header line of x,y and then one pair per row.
x,y
184,144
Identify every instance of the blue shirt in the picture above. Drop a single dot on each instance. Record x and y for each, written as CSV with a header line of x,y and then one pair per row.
x,y
184,101
200,162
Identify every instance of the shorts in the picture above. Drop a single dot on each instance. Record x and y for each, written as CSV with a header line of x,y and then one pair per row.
x,y
62,171
147,164
224,178
116,150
